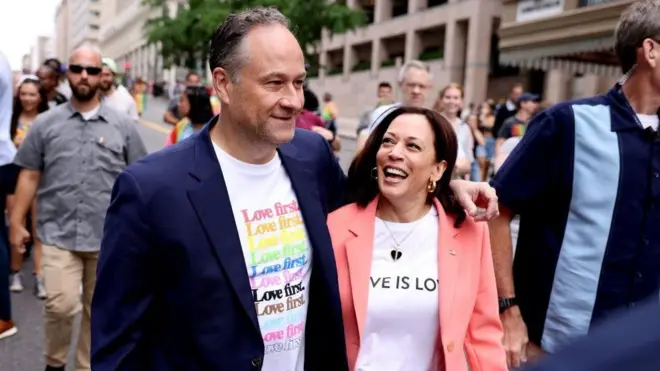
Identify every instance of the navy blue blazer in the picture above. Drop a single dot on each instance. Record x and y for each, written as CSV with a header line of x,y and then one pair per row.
x,y
172,289
629,341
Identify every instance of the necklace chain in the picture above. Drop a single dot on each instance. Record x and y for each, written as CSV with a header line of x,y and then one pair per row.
x,y
396,253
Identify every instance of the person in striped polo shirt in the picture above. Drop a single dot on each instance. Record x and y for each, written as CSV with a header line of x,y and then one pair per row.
x,y
585,180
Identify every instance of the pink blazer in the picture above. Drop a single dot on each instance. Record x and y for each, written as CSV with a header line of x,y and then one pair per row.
x,y
469,315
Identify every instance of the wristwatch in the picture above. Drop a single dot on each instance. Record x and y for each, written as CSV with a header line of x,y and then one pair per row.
x,y
506,303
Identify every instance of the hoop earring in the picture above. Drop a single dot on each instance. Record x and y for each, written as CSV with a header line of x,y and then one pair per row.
x,y
431,186
374,173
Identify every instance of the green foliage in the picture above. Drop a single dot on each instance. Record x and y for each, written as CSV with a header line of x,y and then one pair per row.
x,y
184,38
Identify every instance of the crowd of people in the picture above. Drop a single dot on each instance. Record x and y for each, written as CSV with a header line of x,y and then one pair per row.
x,y
243,245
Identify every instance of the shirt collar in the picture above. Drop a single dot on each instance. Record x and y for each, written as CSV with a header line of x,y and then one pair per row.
x,y
626,117
101,115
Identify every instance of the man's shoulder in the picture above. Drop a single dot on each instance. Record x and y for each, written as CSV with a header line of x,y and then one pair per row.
x,y
563,111
165,168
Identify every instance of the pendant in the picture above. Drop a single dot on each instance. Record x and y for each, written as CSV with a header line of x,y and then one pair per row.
x,y
395,254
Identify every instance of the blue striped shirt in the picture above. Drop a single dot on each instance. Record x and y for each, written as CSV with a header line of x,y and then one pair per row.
x,y
585,180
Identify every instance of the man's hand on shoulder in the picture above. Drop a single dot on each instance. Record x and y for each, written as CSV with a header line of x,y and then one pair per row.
x,y
478,199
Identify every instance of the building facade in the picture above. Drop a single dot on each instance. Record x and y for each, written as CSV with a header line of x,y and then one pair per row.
x,y
84,18
123,38
454,37
62,31
568,43
44,49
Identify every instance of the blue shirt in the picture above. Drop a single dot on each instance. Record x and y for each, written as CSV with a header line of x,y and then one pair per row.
x,y
585,180
7,148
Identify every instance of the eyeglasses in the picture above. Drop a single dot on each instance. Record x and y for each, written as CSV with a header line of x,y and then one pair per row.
x,y
92,71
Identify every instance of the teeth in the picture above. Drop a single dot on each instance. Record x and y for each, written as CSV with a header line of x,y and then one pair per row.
x,y
396,172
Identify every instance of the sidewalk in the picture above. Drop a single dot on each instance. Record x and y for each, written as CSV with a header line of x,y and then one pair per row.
x,y
347,126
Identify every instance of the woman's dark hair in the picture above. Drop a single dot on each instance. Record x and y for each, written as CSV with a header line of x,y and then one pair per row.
x,y
362,188
201,111
311,101
18,106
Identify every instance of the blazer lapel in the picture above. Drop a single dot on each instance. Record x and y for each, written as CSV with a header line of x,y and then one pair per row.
x,y
448,263
312,208
359,253
213,207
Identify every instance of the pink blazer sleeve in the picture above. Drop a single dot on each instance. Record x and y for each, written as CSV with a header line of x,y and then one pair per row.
x,y
483,343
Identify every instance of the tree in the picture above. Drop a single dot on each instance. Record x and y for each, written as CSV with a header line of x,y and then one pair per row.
x,y
184,38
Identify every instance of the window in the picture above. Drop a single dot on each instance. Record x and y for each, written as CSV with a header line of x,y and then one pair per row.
x,y
94,26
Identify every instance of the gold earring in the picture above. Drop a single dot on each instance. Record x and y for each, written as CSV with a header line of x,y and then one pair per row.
x,y
431,186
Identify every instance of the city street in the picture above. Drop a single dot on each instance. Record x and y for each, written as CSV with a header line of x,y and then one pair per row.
x,y
23,352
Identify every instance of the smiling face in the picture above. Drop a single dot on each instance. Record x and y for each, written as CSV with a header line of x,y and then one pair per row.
x,y
267,94
452,101
28,93
406,160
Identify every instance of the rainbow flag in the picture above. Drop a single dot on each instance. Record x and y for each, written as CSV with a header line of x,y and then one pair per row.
x,y
215,104
181,131
141,102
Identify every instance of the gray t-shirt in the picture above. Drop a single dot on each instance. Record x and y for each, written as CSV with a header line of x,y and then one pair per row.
x,y
512,127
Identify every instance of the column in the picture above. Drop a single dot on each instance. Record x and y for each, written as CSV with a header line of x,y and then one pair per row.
x,y
349,59
413,45
557,86
454,53
378,55
415,6
478,57
323,63
382,10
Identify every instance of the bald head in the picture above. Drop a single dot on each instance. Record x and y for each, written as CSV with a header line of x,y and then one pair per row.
x,y
85,73
87,54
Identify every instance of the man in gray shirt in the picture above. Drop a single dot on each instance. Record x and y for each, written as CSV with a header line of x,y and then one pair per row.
x,y
70,159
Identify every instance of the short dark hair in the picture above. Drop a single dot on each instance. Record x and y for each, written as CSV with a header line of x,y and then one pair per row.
x,y
55,64
362,188
190,74
200,104
384,84
638,22
225,50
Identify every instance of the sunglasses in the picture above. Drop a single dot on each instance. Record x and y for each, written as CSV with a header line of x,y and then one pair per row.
x,y
92,71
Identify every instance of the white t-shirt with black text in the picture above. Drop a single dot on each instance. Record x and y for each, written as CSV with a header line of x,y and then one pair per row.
x,y
277,254
401,328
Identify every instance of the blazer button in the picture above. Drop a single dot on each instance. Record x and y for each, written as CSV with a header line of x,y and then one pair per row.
x,y
256,362
450,346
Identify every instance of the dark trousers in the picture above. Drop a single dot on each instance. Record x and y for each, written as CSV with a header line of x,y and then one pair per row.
x,y
8,175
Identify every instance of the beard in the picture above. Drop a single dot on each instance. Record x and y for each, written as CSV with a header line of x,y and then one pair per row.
x,y
105,87
84,93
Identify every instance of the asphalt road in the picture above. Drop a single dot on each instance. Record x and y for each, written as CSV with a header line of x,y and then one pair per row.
x,y
23,352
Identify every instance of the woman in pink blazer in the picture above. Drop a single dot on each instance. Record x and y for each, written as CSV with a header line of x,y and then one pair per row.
x,y
415,275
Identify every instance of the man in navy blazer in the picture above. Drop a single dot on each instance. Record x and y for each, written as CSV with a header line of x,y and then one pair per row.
x,y
216,254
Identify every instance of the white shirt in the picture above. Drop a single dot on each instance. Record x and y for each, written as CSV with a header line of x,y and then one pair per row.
x,y
648,121
122,101
277,254
400,332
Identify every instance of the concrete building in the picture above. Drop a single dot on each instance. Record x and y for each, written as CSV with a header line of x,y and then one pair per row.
x,y
454,37
43,50
62,31
567,45
84,26
123,38
26,63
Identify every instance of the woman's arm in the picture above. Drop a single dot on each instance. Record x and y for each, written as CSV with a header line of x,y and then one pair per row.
x,y
483,343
